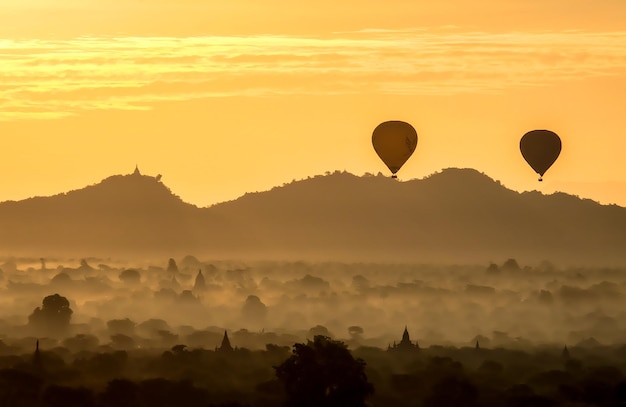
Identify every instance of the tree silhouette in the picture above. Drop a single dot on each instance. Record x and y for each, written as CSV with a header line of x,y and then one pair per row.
x,y
319,330
511,265
452,391
53,316
254,310
355,331
121,326
62,396
121,341
19,388
323,373
172,267
81,342
84,266
130,276
120,393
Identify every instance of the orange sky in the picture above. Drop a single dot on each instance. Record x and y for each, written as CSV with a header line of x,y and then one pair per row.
x,y
224,98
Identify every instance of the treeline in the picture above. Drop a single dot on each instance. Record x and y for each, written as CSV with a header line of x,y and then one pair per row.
x,y
178,377
434,376
440,376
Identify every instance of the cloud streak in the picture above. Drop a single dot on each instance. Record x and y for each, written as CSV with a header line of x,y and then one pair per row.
x,y
58,78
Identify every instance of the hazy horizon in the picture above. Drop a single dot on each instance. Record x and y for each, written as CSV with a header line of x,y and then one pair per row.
x,y
380,173
456,216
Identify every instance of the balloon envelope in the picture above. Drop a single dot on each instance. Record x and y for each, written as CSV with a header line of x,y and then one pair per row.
x,y
394,142
540,149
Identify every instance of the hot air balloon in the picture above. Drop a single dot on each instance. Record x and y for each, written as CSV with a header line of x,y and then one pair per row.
x,y
394,142
540,149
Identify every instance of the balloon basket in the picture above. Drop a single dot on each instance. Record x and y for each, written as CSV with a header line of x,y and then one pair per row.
x,y
394,176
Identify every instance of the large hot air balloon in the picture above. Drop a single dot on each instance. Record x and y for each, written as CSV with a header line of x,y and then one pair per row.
x,y
540,149
394,142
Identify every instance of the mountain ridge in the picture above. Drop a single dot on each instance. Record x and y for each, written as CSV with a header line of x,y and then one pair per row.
x,y
456,215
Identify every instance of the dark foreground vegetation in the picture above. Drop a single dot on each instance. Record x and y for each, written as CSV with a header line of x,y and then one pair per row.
x,y
193,333
321,372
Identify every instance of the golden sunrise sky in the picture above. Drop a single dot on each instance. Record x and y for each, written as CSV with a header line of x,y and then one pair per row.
x,y
227,97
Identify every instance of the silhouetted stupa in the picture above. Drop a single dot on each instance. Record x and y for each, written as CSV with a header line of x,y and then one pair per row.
x,y
225,347
200,283
565,353
405,344
37,364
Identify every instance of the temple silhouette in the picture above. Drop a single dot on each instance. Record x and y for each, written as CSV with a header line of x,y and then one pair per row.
x,y
225,347
405,344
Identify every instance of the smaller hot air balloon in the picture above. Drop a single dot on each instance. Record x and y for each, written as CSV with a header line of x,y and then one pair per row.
x,y
540,149
394,142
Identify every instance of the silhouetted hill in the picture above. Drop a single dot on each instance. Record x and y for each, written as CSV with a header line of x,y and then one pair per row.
x,y
457,215
121,213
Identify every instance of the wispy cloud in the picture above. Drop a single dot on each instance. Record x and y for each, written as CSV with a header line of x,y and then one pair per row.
x,y
47,78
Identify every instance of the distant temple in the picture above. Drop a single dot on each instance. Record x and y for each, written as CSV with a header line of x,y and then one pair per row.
x,y
37,364
226,346
200,283
138,173
405,344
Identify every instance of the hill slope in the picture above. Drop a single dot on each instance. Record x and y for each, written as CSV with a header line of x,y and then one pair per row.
x,y
130,212
458,215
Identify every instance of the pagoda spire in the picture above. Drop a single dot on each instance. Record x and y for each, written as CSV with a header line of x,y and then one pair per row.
x,y
405,335
37,358
226,346
405,344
